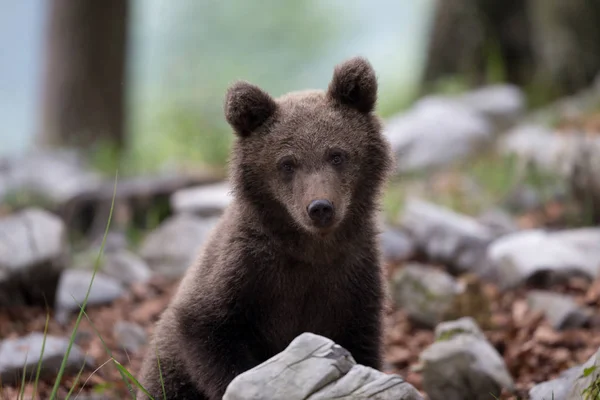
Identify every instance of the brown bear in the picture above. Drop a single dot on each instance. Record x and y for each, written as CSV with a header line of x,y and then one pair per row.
x,y
296,251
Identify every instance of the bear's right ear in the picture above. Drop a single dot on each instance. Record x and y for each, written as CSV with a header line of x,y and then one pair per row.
x,y
247,107
354,84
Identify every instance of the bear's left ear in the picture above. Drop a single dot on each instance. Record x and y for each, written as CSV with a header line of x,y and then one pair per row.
x,y
354,84
247,107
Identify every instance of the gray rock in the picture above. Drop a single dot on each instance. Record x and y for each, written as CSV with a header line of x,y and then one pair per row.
x,y
560,310
174,245
462,364
571,384
130,336
553,152
498,221
56,176
589,373
436,132
73,287
502,105
25,352
556,389
536,255
396,245
33,252
523,198
205,200
126,267
313,367
444,236
424,293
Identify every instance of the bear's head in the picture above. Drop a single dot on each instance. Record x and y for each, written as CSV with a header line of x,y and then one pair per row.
x,y
311,159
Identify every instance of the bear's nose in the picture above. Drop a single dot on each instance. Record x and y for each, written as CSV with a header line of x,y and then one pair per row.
x,y
321,211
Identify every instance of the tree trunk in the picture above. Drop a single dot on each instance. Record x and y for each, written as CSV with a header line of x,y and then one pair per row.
x,y
83,94
549,45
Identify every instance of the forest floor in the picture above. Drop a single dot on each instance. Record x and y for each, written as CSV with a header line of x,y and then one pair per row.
x,y
533,351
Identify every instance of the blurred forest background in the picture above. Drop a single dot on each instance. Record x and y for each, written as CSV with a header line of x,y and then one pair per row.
x,y
180,57
492,108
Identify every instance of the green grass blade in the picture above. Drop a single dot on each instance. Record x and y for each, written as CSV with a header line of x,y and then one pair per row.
x,y
92,374
76,380
121,368
22,390
162,382
79,316
107,349
39,365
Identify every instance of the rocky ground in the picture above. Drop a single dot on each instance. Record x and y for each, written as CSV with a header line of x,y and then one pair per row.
x,y
533,350
524,267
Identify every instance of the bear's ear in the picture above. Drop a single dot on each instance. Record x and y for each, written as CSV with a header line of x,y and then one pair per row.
x,y
247,107
354,84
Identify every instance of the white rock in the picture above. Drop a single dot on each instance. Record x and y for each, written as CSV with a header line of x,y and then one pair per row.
x,y
589,373
57,175
25,352
445,236
313,367
535,254
424,293
73,287
174,245
396,245
126,266
570,384
547,149
205,200
498,221
556,389
561,310
30,237
462,364
33,252
501,104
129,335
436,132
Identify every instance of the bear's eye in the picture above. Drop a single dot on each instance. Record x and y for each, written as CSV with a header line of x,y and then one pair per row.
x,y
287,165
336,157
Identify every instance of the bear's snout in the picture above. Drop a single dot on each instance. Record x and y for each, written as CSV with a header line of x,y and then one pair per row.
x,y
321,212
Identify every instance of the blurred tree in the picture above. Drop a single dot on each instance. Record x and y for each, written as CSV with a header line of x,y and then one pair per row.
x,y
204,46
548,45
83,98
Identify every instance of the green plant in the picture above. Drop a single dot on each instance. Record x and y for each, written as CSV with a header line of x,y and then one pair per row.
x,y
126,375
592,392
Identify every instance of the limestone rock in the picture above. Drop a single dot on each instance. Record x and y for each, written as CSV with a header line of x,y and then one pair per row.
x,y
419,142
462,364
396,245
73,287
447,237
424,293
205,200
313,367
502,105
25,352
126,266
33,252
543,257
130,336
174,245
561,310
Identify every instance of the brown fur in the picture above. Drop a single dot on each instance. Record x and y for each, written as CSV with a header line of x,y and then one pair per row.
x,y
267,273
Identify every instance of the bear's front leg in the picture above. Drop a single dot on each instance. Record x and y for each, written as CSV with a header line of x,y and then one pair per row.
x,y
216,350
362,337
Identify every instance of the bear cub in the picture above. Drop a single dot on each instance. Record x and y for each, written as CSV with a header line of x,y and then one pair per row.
x,y
296,250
